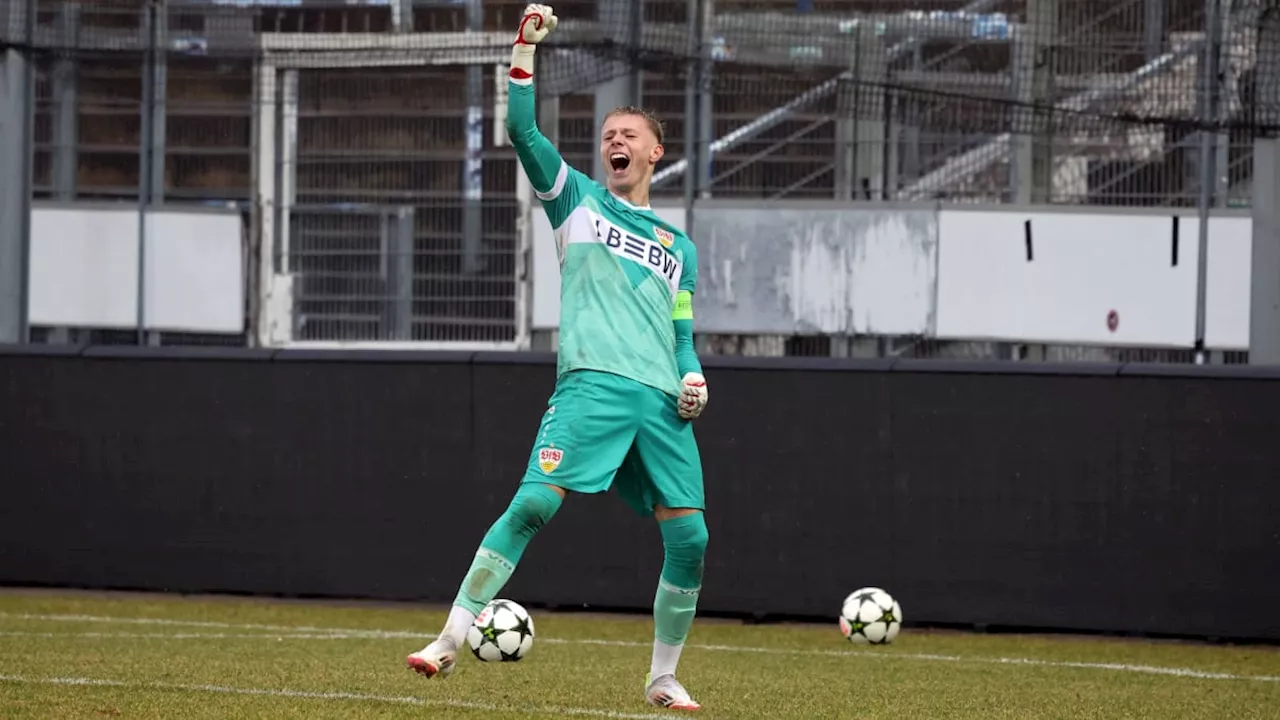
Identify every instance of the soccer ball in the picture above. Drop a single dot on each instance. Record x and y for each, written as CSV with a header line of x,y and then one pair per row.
x,y
870,616
502,632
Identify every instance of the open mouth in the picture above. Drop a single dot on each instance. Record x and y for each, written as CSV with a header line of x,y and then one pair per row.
x,y
619,162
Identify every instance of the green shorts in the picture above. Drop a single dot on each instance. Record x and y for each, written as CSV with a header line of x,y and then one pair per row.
x,y
602,430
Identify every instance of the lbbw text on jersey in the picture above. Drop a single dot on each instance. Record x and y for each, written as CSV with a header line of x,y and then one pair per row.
x,y
642,250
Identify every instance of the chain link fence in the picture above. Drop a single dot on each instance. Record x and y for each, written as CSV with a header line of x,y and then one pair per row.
x,y
396,206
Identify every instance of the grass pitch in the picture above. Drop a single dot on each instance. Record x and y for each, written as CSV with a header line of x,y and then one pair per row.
x,y
103,655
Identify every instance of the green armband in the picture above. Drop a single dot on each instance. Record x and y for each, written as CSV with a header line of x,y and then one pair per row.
x,y
684,306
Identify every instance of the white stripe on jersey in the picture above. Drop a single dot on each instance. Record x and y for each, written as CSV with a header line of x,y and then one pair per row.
x,y
585,226
557,187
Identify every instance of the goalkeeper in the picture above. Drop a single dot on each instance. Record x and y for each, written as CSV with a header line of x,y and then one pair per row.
x,y
628,379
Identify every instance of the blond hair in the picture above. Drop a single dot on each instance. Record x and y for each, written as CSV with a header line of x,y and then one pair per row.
x,y
653,122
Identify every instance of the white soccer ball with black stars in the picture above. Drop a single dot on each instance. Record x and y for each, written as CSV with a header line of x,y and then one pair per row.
x,y
870,616
502,632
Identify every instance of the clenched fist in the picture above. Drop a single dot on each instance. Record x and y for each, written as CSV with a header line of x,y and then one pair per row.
x,y
537,23
693,395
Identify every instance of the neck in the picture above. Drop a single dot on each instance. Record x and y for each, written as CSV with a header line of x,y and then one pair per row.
x,y
638,195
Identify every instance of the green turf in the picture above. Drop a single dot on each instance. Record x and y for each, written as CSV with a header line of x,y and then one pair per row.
x,y
57,647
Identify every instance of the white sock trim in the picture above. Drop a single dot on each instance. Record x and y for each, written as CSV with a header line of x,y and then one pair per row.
x,y
487,554
679,591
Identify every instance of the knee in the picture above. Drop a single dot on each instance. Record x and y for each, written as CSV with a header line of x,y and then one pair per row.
x,y
686,536
533,507
698,537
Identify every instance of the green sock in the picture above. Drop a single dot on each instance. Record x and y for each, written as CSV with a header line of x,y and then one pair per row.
x,y
502,547
684,540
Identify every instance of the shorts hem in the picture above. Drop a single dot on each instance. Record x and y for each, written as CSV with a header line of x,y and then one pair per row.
x,y
535,477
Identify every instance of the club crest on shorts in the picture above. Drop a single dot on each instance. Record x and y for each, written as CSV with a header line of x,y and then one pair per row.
x,y
549,459
664,236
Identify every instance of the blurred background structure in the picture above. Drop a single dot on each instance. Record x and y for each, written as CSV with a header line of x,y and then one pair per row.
x,y
358,147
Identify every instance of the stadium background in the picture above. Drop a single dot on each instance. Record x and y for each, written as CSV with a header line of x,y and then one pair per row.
x,y
394,125
1097,496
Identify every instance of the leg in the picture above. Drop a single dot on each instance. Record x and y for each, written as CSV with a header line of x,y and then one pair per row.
x,y
684,542
583,438
495,560
665,479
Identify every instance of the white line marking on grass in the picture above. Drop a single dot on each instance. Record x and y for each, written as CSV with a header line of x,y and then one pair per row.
x,y
353,632
359,634
1119,667
190,636
319,695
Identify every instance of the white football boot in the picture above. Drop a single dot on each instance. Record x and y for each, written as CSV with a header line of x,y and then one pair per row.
x,y
667,693
438,658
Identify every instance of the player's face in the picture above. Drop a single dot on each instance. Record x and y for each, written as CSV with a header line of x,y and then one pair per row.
x,y
629,150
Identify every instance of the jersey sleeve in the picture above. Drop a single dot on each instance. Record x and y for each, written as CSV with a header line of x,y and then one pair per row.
x,y
559,187
682,315
689,270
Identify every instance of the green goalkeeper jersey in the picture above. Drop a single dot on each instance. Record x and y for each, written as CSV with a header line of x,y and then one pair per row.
x,y
627,277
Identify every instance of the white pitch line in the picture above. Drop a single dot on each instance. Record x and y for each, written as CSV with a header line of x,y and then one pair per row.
x,y
316,695
360,634
187,636
382,634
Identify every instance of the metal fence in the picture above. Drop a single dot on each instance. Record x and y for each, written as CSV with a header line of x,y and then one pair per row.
x,y
396,201
1050,101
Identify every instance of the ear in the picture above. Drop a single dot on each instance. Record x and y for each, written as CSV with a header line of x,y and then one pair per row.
x,y
657,154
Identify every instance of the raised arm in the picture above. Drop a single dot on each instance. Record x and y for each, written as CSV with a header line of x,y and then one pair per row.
x,y
547,170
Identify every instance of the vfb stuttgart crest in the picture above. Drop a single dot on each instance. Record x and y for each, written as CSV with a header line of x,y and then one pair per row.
x,y
549,459
664,236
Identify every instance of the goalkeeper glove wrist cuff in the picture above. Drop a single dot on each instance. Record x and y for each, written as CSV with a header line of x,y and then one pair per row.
x,y
522,61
